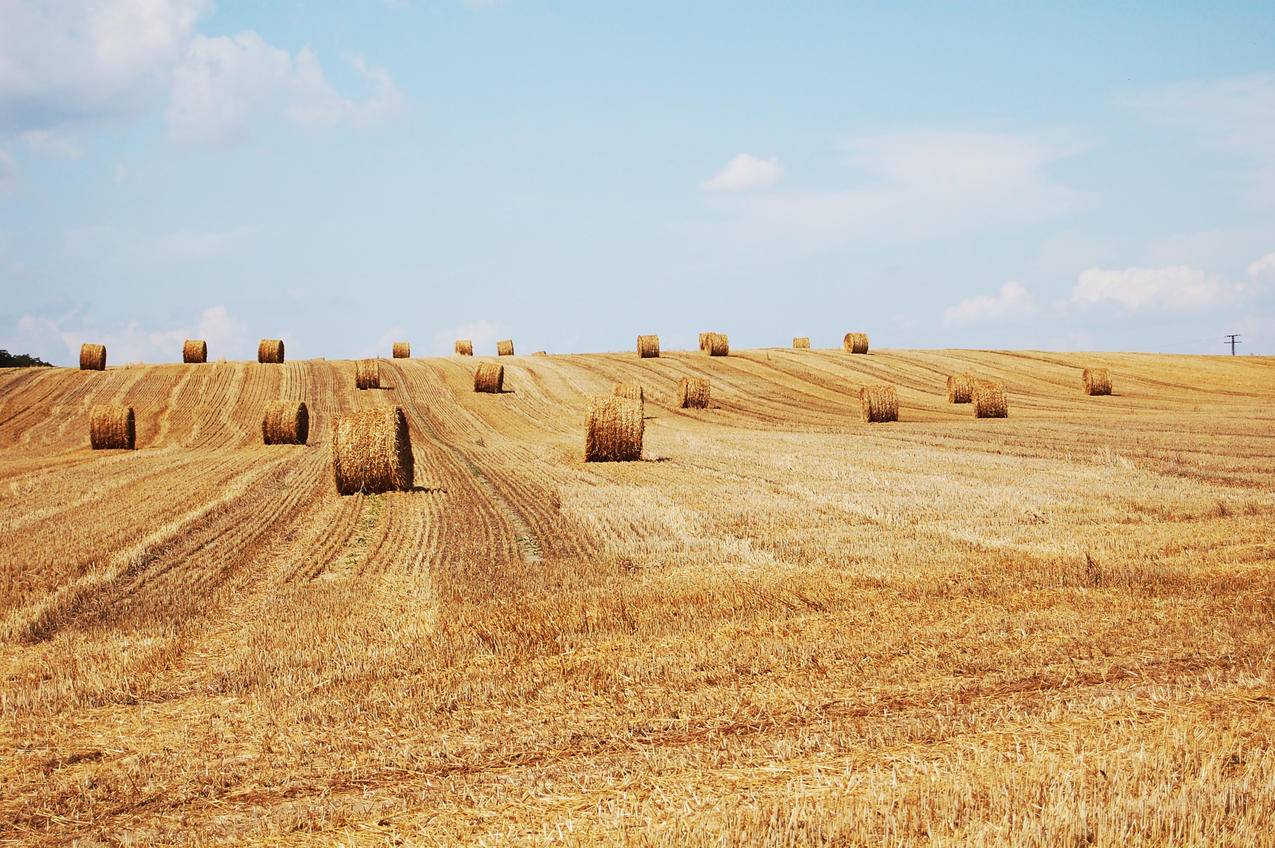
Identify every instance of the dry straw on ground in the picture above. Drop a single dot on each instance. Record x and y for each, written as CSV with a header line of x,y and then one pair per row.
x,y
402,350
613,430
989,399
372,452
505,347
801,342
856,342
1097,381
286,422
692,393
270,350
648,347
195,350
489,378
112,427
367,374
92,357
717,344
960,387
464,347
880,403
632,391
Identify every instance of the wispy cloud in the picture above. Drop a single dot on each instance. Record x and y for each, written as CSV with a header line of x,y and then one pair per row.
x,y
185,245
745,172
483,333
1012,299
1174,288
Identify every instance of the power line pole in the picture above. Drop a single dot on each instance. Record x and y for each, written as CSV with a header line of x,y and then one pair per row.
x,y
1231,340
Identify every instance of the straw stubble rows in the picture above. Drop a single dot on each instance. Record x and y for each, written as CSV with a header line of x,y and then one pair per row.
x,y
784,624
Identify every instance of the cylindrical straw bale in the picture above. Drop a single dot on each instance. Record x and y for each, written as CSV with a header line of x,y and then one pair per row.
x,y
648,347
718,344
879,403
402,350
195,350
960,387
855,342
989,399
692,393
632,391
1097,381
92,357
801,342
613,430
367,374
286,422
703,340
270,350
489,378
505,347
464,347
372,452
112,427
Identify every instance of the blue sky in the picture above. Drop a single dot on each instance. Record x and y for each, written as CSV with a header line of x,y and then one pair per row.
x,y
573,174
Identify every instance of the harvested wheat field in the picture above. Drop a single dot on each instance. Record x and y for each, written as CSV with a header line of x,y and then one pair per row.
x,y
782,626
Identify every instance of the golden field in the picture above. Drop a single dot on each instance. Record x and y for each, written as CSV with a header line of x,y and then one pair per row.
x,y
784,627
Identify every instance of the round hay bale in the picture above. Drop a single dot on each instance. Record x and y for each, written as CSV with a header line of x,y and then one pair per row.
x,y
613,430
718,344
464,347
505,347
489,378
692,393
801,342
112,427
540,353
703,340
880,403
372,452
92,357
402,350
270,350
195,350
286,422
648,347
960,387
631,391
989,399
367,374
1097,381
855,342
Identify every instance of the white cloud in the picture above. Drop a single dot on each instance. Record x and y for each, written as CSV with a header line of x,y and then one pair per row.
x,y
484,334
919,186
745,172
1179,287
59,338
8,173
53,143
1264,266
226,84
1012,299
186,246
73,60
1235,115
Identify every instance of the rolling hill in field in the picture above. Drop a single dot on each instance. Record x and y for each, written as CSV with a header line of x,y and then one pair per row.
x,y
784,626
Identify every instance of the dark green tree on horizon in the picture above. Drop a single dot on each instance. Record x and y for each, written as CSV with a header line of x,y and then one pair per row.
x,y
21,360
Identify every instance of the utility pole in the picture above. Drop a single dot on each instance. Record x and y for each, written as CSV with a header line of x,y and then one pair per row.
x,y
1231,340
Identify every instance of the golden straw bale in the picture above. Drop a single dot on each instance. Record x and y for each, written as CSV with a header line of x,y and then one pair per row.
x,y
692,393
1097,381
648,347
372,451
960,387
367,374
195,350
270,350
855,342
112,427
879,403
490,378
801,342
989,399
464,347
632,391
92,357
505,347
613,430
286,422
703,340
718,344
402,350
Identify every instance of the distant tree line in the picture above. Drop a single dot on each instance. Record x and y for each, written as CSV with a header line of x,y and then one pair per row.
x,y
21,360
